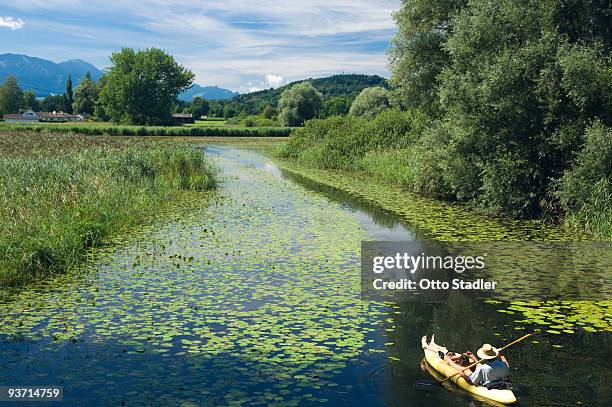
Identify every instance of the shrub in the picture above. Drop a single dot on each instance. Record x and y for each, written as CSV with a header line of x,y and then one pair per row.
x,y
390,165
340,142
585,191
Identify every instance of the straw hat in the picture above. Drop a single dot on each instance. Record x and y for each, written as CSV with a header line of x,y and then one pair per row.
x,y
487,352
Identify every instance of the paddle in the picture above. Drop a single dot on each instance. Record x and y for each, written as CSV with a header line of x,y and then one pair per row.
x,y
500,349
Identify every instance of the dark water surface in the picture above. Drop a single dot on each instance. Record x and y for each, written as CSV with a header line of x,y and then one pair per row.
x,y
251,296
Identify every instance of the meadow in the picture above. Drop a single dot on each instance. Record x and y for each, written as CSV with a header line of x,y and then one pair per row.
x,y
60,194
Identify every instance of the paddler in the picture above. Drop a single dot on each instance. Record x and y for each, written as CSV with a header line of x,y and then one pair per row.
x,y
492,371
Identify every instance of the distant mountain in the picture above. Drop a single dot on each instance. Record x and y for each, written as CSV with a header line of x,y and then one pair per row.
x,y
347,86
207,92
42,76
47,77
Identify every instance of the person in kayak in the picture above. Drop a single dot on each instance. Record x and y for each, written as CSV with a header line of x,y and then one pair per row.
x,y
493,369
459,359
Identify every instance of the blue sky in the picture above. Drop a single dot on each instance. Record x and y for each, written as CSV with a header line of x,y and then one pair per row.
x,y
238,44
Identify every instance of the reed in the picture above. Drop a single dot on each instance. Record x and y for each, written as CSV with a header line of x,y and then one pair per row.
x,y
60,194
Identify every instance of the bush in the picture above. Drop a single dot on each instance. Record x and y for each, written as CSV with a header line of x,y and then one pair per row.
x,y
340,142
390,165
585,191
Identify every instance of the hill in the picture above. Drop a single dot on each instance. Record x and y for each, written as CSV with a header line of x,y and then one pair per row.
x,y
42,76
206,92
345,86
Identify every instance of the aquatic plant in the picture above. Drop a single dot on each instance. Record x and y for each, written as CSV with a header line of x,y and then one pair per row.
x,y
62,193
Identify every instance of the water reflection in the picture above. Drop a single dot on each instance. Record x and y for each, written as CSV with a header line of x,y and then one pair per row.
x,y
210,338
546,371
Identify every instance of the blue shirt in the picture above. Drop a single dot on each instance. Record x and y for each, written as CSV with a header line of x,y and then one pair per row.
x,y
489,372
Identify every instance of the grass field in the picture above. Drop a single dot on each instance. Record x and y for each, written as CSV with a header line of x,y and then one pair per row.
x,y
60,194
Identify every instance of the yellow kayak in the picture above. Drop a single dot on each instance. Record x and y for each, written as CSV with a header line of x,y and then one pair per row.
x,y
499,396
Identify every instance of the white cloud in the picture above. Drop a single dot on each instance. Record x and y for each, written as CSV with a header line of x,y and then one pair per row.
x,y
274,81
11,23
225,42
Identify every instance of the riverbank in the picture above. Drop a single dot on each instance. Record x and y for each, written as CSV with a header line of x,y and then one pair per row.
x,y
409,150
60,194
434,219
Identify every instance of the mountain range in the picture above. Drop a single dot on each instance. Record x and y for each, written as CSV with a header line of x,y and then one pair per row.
x,y
42,76
46,77
207,92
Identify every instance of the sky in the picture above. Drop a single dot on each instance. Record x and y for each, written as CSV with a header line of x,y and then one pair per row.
x,y
236,44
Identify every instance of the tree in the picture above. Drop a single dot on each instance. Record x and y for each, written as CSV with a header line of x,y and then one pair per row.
x,y
142,86
52,103
370,102
229,112
11,98
524,83
269,112
85,96
68,96
418,53
299,103
99,111
199,107
335,106
30,102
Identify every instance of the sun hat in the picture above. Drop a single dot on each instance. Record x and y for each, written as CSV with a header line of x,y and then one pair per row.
x,y
487,352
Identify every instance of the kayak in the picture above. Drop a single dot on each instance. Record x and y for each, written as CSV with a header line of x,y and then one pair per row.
x,y
440,366
453,388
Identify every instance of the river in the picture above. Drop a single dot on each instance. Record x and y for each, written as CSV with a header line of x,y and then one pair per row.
x,y
251,296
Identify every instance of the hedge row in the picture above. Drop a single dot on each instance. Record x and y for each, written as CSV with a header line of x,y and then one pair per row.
x,y
154,131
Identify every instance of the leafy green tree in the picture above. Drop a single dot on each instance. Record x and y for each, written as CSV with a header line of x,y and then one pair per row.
x,y
86,96
335,106
199,107
525,81
299,103
99,111
418,53
586,188
269,112
216,108
229,111
30,102
142,86
52,103
11,98
370,102
68,96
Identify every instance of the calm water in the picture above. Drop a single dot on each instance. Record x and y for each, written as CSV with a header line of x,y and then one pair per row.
x,y
251,296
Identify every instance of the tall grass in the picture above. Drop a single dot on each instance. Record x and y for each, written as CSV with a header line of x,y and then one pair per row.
x,y
60,194
178,131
